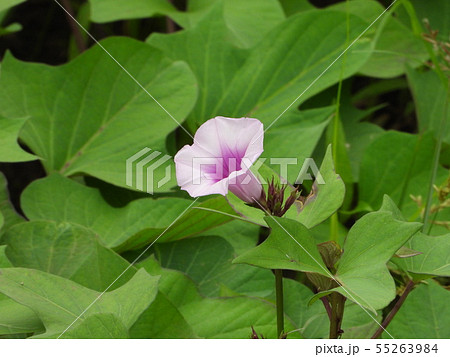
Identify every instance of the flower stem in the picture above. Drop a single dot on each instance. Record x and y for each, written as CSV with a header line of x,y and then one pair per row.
x,y
327,306
336,124
337,302
418,30
77,35
279,301
409,287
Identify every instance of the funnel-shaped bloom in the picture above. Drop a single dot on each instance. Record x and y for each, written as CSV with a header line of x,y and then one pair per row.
x,y
219,160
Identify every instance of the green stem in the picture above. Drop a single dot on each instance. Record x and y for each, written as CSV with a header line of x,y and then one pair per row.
x,y
417,29
334,223
334,227
437,152
279,301
428,231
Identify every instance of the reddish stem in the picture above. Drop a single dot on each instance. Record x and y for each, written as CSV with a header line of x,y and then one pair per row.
x,y
409,287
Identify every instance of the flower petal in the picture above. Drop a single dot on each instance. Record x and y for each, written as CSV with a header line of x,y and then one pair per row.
x,y
222,152
245,185
241,137
192,165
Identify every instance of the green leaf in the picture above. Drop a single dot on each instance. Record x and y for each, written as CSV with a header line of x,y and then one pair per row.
x,y
248,213
207,260
289,246
288,60
433,261
241,29
10,151
321,204
437,12
390,163
7,212
357,323
417,190
161,320
137,224
326,198
246,31
210,56
371,242
240,234
359,135
424,314
4,261
199,218
335,135
292,7
6,4
67,250
295,137
113,10
312,320
16,318
321,232
362,270
430,99
232,317
12,28
58,301
396,48
176,286
100,325
75,128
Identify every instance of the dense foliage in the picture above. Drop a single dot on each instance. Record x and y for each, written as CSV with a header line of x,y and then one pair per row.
x,y
367,100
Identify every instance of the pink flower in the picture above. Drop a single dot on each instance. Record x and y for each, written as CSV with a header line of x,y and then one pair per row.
x,y
219,160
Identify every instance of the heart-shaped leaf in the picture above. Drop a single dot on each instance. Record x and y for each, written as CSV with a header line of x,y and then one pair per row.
x,y
242,30
425,314
58,301
17,318
7,211
214,255
67,250
326,196
390,163
362,270
76,127
289,246
233,317
10,151
434,259
101,325
130,227
277,71
162,320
